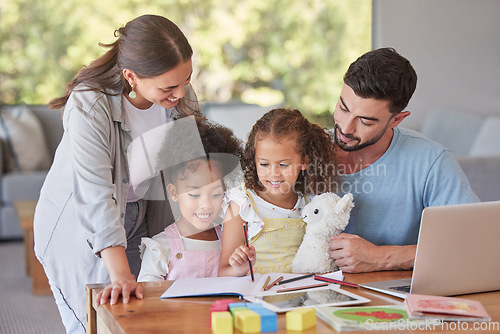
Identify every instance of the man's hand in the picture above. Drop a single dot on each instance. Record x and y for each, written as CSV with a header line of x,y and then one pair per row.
x,y
353,254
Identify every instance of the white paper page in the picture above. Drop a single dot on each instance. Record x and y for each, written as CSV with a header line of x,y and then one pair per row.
x,y
186,287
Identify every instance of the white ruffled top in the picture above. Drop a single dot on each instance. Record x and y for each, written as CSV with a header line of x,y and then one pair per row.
x,y
248,213
156,254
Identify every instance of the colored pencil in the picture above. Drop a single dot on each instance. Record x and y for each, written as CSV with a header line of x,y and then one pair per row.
x,y
295,278
246,243
302,287
265,283
331,280
273,283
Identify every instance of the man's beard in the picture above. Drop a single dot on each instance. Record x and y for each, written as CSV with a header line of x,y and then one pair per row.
x,y
358,146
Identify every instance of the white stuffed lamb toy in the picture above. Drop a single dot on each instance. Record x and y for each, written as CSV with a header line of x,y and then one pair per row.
x,y
326,215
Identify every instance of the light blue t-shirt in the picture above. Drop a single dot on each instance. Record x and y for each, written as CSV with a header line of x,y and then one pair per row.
x,y
390,194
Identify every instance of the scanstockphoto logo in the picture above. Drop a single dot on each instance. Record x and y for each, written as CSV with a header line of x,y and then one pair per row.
x,y
433,324
403,324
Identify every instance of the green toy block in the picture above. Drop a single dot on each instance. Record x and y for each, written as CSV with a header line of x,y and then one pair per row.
x,y
232,305
247,321
222,323
233,311
301,319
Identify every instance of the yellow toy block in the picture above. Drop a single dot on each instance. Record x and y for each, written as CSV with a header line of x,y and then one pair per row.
x,y
233,311
247,321
222,322
300,319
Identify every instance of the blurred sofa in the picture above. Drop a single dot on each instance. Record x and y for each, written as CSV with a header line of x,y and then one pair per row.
x,y
474,139
20,185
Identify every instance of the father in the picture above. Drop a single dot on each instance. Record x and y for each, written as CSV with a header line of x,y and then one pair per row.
x,y
393,173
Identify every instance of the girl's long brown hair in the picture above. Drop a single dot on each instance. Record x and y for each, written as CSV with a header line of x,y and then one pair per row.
x,y
149,45
313,143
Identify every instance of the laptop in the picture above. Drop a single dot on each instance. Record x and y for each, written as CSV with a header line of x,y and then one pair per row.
x,y
458,252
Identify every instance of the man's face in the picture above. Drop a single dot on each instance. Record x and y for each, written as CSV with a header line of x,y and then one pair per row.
x,y
359,122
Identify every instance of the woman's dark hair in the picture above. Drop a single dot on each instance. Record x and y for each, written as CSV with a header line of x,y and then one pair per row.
x,y
383,74
313,143
149,45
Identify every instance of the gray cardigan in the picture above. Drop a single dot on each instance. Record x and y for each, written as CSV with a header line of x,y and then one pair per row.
x,y
82,203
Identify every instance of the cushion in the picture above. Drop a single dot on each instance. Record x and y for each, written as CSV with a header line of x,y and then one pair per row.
x,y
453,129
23,141
487,142
21,186
483,175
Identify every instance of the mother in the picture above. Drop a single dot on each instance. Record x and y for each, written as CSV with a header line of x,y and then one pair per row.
x,y
89,219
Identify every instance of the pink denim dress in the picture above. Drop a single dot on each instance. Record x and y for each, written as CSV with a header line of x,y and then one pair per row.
x,y
190,264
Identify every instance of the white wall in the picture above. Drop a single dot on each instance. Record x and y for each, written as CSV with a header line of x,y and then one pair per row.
x,y
454,45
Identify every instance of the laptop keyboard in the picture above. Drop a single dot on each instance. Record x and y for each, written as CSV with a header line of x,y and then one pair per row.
x,y
402,288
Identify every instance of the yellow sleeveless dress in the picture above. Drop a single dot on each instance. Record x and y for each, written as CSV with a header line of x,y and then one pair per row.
x,y
277,242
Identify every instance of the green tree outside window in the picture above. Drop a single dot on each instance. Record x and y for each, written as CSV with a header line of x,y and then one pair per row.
x,y
260,51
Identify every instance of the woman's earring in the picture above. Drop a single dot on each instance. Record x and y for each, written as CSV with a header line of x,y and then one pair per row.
x,y
132,93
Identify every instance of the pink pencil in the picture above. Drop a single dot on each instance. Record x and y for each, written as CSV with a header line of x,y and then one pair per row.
x,y
331,280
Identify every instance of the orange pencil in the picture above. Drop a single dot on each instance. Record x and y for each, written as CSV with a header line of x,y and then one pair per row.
x,y
273,283
302,287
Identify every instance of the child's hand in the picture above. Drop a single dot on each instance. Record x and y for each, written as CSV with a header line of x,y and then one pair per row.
x,y
239,259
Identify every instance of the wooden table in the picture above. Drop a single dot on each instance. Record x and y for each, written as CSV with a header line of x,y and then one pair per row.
x,y
26,212
191,315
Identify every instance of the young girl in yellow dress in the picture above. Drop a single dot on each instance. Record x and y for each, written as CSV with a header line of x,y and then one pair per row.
x,y
286,161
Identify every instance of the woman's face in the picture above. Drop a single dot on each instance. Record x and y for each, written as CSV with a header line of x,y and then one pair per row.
x,y
164,90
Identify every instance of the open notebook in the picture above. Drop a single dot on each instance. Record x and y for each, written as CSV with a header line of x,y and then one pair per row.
x,y
236,286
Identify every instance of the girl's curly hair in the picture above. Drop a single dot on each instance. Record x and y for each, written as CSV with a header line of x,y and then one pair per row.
x,y
312,142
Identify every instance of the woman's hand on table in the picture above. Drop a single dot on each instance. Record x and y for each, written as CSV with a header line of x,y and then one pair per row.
x,y
125,287
122,281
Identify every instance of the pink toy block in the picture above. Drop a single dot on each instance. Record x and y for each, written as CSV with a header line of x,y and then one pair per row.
x,y
224,301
